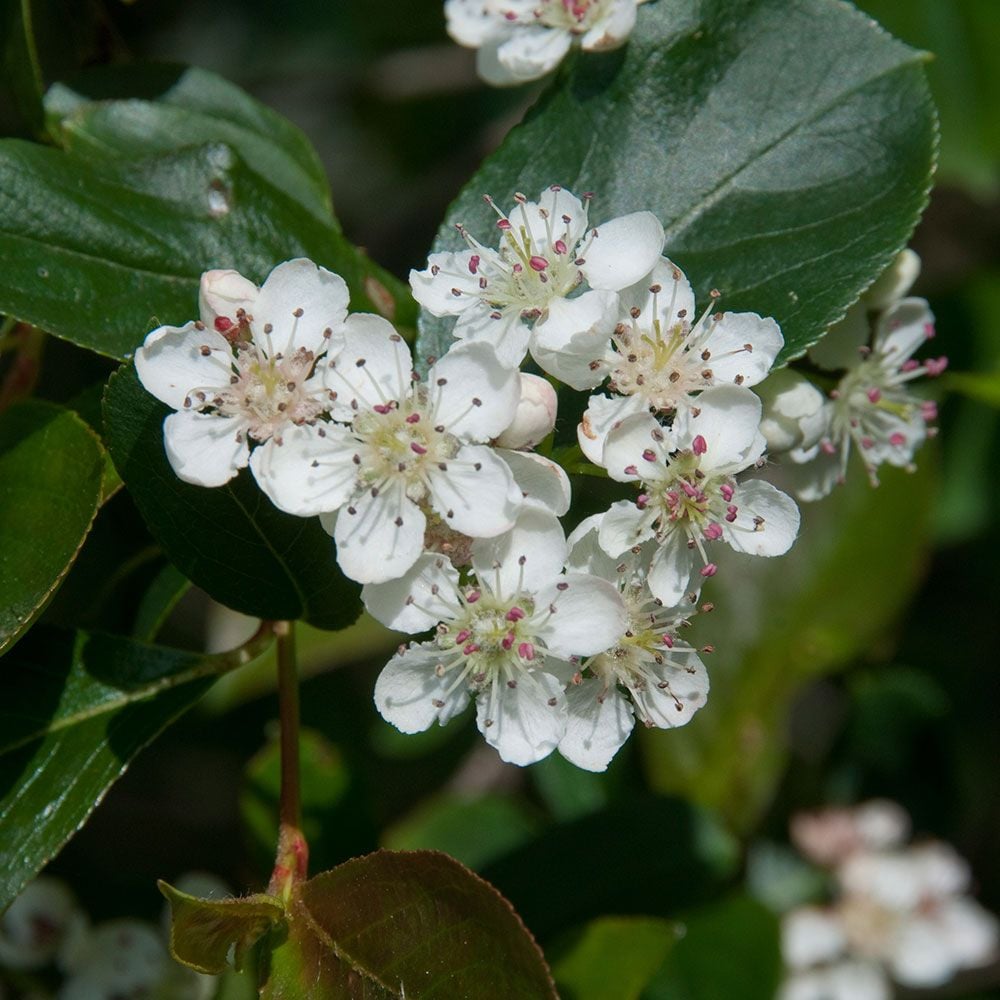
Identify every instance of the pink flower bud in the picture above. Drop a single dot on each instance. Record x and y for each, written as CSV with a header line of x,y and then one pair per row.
x,y
534,417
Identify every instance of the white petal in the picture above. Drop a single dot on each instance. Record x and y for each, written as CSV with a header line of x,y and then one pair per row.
x,y
810,935
585,552
920,955
311,472
434,287
572,340
613,29
780,526
471,22
372,369
408,689
903,330
540,480
675,297
671,569
471,393
636,449
728,418
300,285
604,413
425,595
379,538
623,250
894,282
171,364
502,329
972,934
589,615
623,526
597,726
475,494
203,448
534,415
527,54
685,691
523,559
523,727
726,340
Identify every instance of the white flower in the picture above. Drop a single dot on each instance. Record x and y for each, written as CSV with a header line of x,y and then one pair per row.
x,y
504,638
872,410
121,958
810,936
520,40
829,836
844,980
546,252
689,496
655,352
247,378
401,451
535,415
648,672
44,922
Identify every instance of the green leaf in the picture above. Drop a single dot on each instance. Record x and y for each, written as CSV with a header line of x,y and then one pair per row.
x,y
101,253
614,957
192,107
724,951
405,925
76,709
474,831
51,468
231,540
780,622
166,589
202,931
685,858
786,145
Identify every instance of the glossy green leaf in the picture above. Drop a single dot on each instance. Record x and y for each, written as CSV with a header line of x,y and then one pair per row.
x,y
192,107
168,587
231,540
614,957
474,831
76,709
101,253
202,931
727,950
408,926
786,145
780,622
51,468
686,858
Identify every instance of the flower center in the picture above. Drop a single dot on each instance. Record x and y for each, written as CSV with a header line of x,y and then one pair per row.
x,y
577,16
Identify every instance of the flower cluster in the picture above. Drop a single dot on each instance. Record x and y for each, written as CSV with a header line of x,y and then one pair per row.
x,y
520,40
45,928
439,504
899,911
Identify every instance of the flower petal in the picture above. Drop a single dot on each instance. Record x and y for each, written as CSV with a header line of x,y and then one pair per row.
x,y
611,31
203,448
295,285
471,393
623,526
171,362
434,287
902,330
598,724
557,215
311,472
525,722
726,339
671,569
622,250
502,329
222,293
681,688
603,414
728,419
637,449
475,493
423,596
581,615
774,534
526,54
372,369
410,695
572,340
379,537
540,480
585,552
524,559
673,303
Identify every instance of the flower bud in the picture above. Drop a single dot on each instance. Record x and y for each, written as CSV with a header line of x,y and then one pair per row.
x,y
793,411
534,417
221,294
894,282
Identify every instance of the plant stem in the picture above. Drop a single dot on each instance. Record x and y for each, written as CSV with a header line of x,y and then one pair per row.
x,y
290,809
291,863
